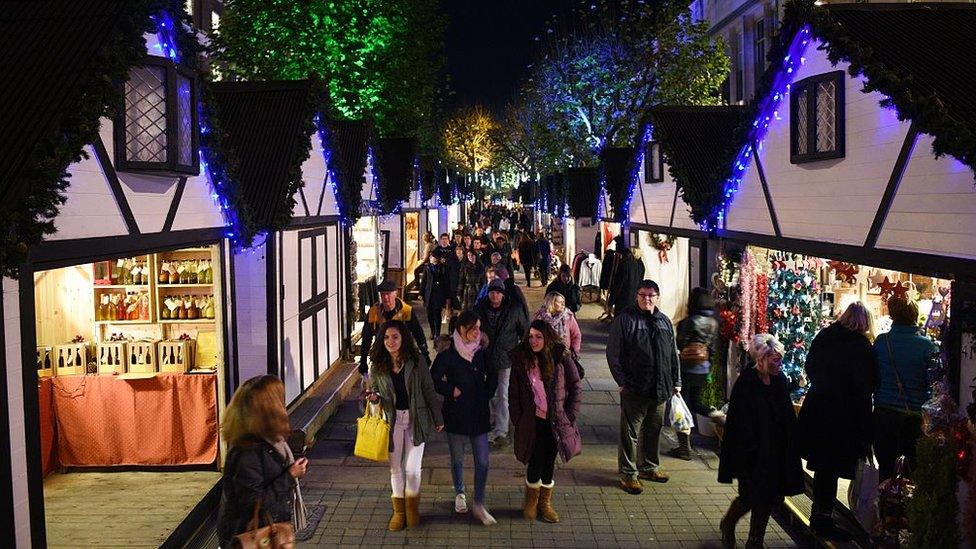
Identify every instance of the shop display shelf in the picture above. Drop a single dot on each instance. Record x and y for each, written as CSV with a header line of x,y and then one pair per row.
x,y
188,321
124,322
121,286
164,286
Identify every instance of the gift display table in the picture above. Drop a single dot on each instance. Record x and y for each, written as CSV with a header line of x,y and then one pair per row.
x,y
102,420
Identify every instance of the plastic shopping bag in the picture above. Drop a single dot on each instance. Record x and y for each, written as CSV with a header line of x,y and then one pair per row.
x,y
862,494
679,416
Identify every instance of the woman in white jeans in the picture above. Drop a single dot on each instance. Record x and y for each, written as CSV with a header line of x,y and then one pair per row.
x,y
400,383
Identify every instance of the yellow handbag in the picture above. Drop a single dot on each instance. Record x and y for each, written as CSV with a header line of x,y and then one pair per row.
x,y
372,436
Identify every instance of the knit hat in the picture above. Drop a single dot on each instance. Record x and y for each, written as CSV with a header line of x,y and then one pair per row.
x,y
496,286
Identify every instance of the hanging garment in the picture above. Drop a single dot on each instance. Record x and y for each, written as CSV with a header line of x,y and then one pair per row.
x,y
590,272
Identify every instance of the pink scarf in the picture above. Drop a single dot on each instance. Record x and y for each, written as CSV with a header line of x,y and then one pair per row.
x,y
466,350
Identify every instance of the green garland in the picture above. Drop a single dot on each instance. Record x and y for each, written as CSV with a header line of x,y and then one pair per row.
x,y
933,509
663,245
31,217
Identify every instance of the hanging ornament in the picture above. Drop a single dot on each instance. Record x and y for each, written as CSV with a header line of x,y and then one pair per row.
x,y
747,282
887,288
762,303
845,271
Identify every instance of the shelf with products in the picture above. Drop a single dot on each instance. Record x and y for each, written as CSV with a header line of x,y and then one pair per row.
x,y
193,267
186,306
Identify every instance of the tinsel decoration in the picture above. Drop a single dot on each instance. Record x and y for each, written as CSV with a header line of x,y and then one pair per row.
x,y
747,298
728,325
762,298
794,310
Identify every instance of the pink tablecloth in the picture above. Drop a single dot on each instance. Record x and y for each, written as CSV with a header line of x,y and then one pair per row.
x,y
170,419
45,401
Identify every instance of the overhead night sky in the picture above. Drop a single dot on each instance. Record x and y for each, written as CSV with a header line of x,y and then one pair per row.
x,y
489,43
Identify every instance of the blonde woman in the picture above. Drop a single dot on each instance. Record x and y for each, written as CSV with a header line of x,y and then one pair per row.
x,y
562,320
756,449
841,369
260,466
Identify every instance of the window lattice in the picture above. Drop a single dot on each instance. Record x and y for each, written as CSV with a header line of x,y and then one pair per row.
x,y
826,116
145,115
184,97
801,122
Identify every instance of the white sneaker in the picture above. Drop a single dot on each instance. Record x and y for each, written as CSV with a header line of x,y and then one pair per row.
x,y
483,515
460,504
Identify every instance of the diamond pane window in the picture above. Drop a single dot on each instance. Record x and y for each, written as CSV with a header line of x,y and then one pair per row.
x,y
653,163
817,118
156,131
145,115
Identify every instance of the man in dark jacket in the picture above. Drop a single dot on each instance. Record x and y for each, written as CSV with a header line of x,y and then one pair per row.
x,y
527,256
389,307
644,362
504,322
544,251
444,247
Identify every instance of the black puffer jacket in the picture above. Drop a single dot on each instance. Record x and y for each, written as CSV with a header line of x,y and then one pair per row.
x,y
467,414
699,327
253,471
642,353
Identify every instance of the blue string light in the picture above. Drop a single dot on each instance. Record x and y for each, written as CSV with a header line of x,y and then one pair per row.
x,y
331,180
768,111
624,215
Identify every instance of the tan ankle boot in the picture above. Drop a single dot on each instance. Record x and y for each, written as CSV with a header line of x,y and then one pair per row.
x,y
546,511
413,511
399,518
530,507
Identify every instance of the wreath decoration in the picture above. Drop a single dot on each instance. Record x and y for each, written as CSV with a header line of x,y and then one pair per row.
x,y
663,246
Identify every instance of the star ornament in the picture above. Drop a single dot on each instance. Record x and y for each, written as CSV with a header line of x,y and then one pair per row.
x,y
887,289
900,290
845,271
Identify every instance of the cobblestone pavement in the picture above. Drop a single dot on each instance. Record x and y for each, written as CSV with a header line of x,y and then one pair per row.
x,y
595,512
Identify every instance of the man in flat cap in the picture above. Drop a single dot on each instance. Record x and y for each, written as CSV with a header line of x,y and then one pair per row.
x,y
390,307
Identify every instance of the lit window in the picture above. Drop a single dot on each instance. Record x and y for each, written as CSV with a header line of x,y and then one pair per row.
x,y
653,163
157,128
817,118
759,51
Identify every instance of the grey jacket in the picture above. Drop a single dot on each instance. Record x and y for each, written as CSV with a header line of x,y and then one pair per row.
x,y
642,353
504,328
425,406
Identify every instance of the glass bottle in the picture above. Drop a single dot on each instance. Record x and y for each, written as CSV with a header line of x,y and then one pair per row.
x,y
163,277
120,307
184,275
114,271
192,311
143,306
181,311
208,311
194,271
164,311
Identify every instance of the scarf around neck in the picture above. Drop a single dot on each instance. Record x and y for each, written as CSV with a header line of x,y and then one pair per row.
x,y
466,350
557,321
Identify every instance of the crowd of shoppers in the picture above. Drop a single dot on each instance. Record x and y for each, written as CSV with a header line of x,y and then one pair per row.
x,y
498,366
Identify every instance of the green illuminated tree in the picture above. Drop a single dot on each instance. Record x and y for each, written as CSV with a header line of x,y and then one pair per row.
x,y
601,70
380,58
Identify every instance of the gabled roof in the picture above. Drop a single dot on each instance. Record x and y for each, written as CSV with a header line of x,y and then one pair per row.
x,y
396,160
919,55
617,165
268,125
699,145
60,63
583,191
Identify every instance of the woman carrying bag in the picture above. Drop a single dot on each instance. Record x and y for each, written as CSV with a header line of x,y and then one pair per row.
x,y
544,402
260,473
400,382
467,382
841,368
756,449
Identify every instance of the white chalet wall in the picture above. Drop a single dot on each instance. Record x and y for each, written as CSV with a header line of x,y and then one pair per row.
x,y
316,188
250,289
21,536
934,210
655,199
831,200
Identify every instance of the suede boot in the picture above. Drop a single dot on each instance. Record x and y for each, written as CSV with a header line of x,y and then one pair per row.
x,y
736,511
531,504
546,511
413,511
399,518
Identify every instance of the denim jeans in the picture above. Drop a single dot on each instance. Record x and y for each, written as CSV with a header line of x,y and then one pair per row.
x,y
499,405
480,450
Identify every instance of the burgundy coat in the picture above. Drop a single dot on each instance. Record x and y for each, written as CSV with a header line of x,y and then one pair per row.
x,y
564,394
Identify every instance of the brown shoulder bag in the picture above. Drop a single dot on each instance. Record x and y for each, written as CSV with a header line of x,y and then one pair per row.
x,y
276,535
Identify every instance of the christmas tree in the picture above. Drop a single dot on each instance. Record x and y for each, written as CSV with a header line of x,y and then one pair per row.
x,y
794,315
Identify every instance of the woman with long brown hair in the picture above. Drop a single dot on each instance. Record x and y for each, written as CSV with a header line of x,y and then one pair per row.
x,y
544,402
400,382
260,468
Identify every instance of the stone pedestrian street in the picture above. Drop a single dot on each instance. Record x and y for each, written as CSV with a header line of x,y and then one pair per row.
x,y
595,512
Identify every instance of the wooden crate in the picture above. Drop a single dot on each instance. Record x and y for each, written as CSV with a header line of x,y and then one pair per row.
x,y
111,357
142,357
175,356
45,362
71,359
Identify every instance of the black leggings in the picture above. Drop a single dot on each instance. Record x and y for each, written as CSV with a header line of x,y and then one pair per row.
x,y
542,462
824,493
693,388
895,434
434,315
528,274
